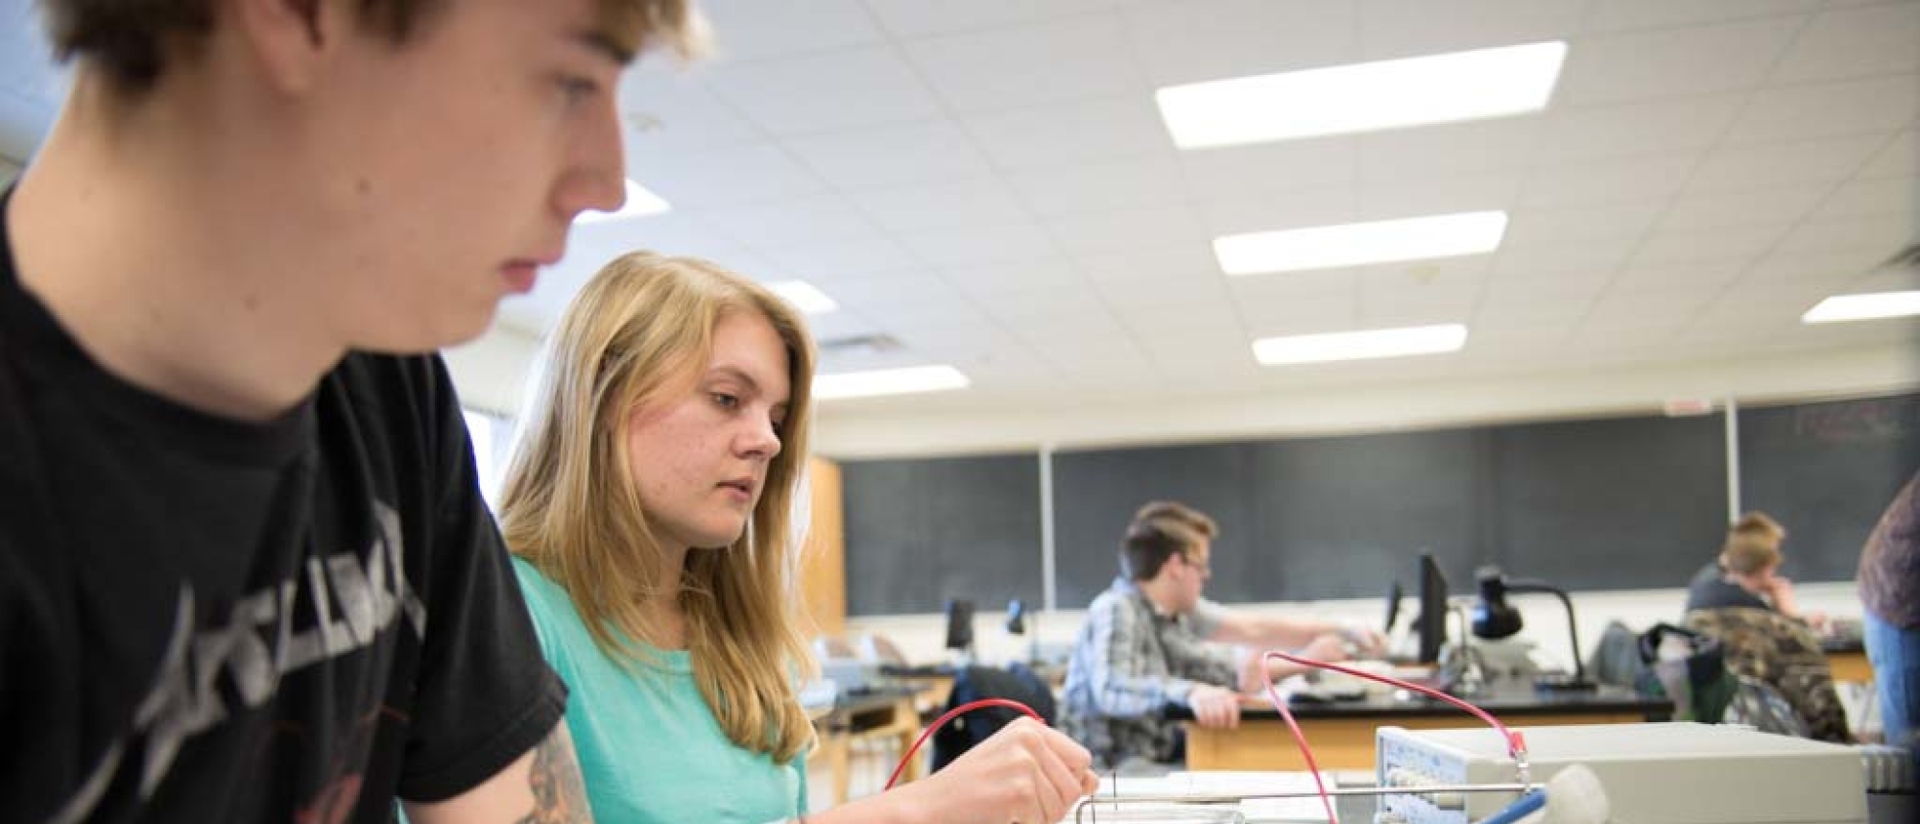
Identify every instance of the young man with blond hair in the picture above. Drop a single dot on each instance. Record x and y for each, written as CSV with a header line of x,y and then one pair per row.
x,y
246,573
1747,572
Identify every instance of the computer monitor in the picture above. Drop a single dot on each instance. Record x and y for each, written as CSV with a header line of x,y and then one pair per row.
x,y
1393,607
1431,625
959,624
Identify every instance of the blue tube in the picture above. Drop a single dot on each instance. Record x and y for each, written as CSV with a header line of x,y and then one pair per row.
x,y
1527,805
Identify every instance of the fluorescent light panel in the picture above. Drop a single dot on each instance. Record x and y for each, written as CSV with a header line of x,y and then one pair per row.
x,y
1372,343
804,296
888,382
1355,244
640,203
1866,306
1362,97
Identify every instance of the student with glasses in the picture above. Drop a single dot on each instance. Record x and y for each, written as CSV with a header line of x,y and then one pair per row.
x,y
1153,641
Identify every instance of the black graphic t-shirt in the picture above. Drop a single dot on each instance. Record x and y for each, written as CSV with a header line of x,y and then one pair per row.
x,y
203,620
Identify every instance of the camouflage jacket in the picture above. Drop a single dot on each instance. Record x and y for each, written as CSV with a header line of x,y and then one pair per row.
x,y
1782,653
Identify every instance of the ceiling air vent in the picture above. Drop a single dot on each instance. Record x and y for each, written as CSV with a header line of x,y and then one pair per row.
x,y
858,345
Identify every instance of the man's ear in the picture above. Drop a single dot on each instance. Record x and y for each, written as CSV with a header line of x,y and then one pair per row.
x,y
291,39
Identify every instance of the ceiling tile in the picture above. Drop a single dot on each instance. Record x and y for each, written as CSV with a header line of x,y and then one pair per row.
x,y
1886,279
1004,242
1146,181
940,205
1872,196
1673,62
674,112
1281,210
725,177
1748,168
1815,267
1234,171
1553,227
1622,15
1700,277
1293,286
1270,318
1570,258
1095,233
1627,129
792,222
1605,183
755,30
895,290
1874,106
829,263
1218,39
1565,293
1719,211
1875,235
1855,42
871,86
1381,199
892,155
1065,133
1644,310
1899,158
1082,57
1400,28
1446,150
996,279
1152,264
1670,246
918,18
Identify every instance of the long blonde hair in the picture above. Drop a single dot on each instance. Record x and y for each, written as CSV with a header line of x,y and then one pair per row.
x,y
571,507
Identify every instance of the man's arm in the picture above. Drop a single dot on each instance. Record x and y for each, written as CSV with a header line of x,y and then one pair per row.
x,y
542,787
1266,632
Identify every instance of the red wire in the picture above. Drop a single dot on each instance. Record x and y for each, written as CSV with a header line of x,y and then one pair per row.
x,y
951,714
1313,767
1516,746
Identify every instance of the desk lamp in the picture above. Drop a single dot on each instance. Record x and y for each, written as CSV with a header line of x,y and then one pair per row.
x,y
1494,619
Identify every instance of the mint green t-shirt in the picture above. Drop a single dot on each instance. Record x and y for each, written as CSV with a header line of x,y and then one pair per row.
x,y
650,749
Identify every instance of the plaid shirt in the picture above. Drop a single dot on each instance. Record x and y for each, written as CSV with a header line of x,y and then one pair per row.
x,y
1129,664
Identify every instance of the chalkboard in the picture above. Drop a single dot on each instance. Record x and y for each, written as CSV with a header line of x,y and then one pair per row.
x,y
1096,493
1826,471
1614,503
1609,503
1606,503
1343,517
921,531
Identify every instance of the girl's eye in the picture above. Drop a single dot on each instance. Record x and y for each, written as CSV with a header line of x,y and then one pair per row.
x,y
577,89
725,401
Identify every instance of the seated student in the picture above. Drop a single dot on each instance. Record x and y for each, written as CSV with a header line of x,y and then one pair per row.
x,y
1742,601
1747,573
649,506
1146,646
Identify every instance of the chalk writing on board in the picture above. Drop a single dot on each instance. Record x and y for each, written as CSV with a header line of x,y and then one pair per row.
x,y
1865,421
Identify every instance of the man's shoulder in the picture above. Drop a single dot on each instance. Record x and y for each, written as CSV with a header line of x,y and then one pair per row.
x,y
1119,602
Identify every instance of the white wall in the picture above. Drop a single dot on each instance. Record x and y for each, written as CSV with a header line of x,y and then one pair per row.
x,y
491,371
921,637
491,375
843,433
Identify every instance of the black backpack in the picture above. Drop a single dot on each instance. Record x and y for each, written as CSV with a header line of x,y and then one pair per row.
x,y
971,683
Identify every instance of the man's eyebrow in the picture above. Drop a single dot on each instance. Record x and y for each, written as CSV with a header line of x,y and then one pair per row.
x,y
607,45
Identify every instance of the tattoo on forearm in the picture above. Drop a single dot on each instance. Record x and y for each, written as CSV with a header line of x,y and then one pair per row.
x,y
559,795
